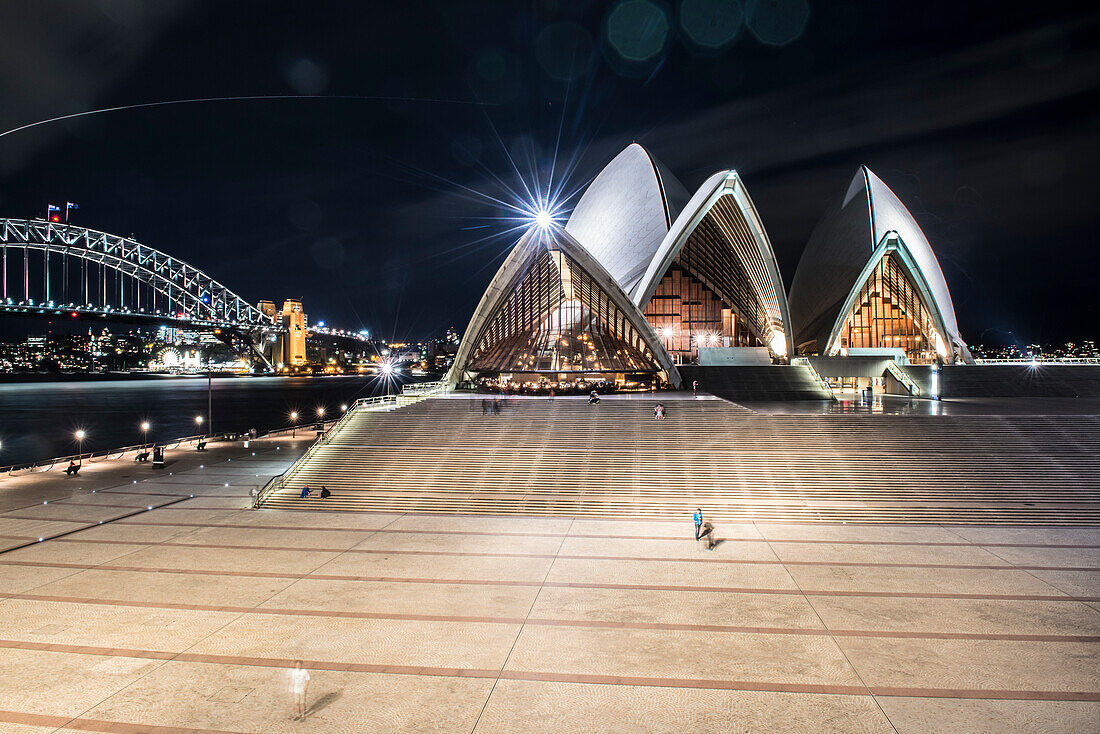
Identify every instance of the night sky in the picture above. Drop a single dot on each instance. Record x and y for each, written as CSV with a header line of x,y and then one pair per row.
x,y
982,116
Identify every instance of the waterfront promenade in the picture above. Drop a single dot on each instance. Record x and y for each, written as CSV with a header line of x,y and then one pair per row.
x,y
186,617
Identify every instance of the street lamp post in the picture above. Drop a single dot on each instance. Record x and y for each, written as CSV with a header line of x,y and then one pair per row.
x,y
294,423
80,451
209,397
321,416
198,421
144,434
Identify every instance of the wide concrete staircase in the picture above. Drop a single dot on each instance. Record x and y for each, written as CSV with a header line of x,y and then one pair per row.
x,y
757,382
568,458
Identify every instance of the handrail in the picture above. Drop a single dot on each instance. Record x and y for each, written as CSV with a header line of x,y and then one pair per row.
x,y
803,361
903,377
45,465
407,397
423,389
277,481
1039,360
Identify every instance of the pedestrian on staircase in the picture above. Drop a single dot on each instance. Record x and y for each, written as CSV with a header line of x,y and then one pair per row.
x,y
695,388
305,492
324,492
698,518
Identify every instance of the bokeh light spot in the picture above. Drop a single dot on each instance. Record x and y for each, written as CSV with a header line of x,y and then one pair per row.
x,y
563,50
777,22
328,252
637,29
307,76
711,24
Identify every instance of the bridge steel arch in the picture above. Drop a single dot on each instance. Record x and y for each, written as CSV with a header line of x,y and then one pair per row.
x,y
179,285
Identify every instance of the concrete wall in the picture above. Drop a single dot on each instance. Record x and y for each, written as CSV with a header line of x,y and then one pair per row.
x,y
977,381
849,366
1041,381
715,356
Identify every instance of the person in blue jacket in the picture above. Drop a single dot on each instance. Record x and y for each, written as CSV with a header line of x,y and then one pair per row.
x,y
698,518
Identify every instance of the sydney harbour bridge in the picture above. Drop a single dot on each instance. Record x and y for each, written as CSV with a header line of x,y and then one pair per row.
x,y
54,269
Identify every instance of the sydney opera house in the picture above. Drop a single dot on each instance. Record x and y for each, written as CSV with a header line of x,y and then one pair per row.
x,y
645,278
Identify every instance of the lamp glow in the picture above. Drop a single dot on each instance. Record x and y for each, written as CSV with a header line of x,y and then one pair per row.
x,y
543,219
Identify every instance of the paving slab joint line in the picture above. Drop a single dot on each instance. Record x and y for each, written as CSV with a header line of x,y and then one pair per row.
x,y
62,534
1029,570
184,654
519,632
832,636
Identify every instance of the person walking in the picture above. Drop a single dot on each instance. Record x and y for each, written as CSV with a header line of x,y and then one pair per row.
x,y
299,682
707,534
695,388
698,518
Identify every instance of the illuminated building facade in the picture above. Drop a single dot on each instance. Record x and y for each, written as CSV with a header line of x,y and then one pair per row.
x,y
552,313
868,282
289,349
642,277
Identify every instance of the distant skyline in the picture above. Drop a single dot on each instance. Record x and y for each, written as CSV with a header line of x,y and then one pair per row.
x,y
983,117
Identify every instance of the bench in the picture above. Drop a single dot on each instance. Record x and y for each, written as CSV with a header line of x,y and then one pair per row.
x,y
200,446
142,457
72,470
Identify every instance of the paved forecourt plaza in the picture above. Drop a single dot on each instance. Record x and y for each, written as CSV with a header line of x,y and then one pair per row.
x,y
186,617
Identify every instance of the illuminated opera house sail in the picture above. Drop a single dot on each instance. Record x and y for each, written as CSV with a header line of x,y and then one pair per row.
x,y
643,278
553,311
868,282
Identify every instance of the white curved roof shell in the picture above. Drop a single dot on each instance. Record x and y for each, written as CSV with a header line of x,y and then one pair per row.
x,y
748,243
534,243
846,243
625,213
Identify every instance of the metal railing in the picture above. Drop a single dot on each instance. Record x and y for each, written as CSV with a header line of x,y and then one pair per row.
x,y
903,377
821,381
381,402
114,454
424,389
90,457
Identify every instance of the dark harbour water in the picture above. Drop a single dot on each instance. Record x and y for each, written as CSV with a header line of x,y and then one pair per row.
x,y
38,420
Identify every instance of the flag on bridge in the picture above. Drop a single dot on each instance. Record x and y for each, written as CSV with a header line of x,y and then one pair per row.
x,y
50,209
69,205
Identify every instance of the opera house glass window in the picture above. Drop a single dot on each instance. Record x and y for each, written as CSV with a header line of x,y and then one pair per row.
x,y
557,319
889,313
